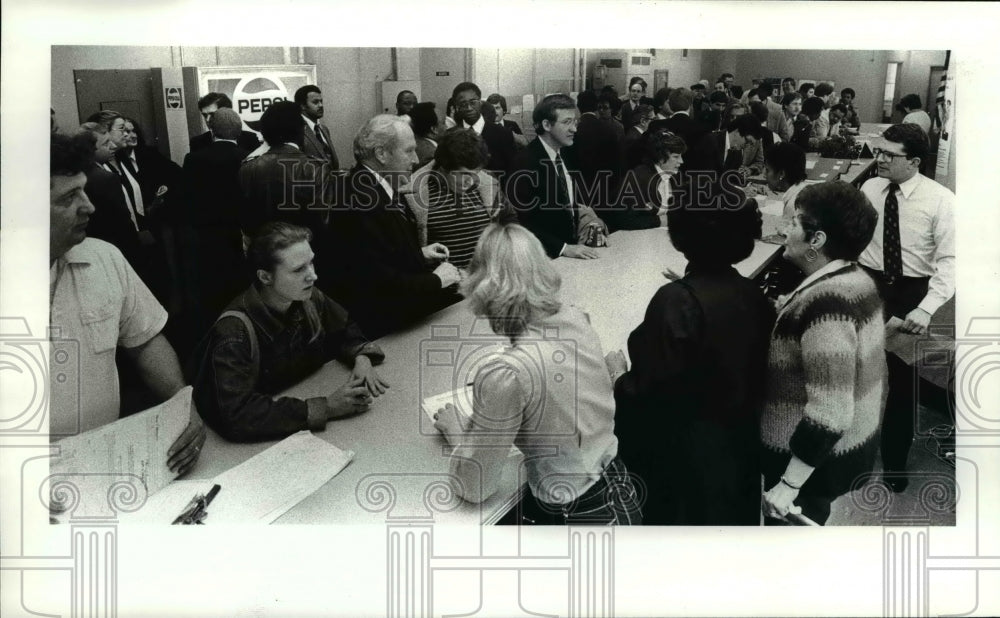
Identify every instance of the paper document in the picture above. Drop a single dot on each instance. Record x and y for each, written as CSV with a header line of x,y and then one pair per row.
x,y
932,354
131,450
258,491
461,398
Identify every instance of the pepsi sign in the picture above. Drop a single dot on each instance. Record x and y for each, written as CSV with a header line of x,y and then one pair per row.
x,y
253,95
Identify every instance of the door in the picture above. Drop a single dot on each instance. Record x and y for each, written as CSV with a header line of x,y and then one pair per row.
x,y
129,92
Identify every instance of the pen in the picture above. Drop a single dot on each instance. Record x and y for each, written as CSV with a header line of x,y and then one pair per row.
x,y
195,510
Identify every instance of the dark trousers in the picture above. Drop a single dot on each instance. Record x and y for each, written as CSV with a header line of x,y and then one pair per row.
x,y
900,298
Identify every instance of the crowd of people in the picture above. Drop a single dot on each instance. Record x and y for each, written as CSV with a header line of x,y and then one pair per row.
x,y
269,261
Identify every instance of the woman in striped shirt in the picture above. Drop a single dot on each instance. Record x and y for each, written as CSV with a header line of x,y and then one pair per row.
x,y
454,199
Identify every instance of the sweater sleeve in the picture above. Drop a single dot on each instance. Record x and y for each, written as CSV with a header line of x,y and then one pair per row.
x,y
225,391
498,407
829,357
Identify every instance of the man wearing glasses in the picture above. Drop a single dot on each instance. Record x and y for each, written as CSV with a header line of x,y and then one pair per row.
x,y
912,259
468,98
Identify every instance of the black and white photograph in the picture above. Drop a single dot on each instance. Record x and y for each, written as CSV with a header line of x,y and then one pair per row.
x,y
419,323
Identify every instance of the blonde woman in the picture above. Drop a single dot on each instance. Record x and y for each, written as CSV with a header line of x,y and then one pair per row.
x,y
547,391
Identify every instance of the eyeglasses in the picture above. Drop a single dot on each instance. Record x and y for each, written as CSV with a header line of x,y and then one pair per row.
x,y
885,155
472,103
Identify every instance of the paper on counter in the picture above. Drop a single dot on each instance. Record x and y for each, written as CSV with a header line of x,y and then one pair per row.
x,y
131,450
265,487
461,398
258,491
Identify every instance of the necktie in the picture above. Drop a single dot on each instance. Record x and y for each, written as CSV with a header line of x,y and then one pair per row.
x,y
892,257
563,198
322,140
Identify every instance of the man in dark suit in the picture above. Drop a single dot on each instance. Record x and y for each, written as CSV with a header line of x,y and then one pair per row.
x,y
214,262
541,188
286,184
384,278
680,122
636,97
317,142
208,105
111,220
713,119
595,153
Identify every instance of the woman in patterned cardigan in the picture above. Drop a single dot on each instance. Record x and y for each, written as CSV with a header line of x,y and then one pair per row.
x,y
826,365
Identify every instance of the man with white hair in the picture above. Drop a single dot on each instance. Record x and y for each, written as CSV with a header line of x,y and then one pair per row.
x,y
384,277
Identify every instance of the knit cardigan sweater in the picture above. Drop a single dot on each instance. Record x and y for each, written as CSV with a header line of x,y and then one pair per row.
x,y
826,381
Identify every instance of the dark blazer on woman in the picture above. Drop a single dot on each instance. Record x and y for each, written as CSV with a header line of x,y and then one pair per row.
x,y
686,410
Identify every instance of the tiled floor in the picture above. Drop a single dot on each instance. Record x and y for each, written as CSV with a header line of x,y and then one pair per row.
x,y
928,500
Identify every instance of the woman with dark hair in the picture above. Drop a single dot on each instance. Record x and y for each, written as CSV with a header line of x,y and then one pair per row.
x,y
686,413
826,366
911,107
277,332
563,424
647,190
454,199
449,114
785,173
607,108
424,120
807,89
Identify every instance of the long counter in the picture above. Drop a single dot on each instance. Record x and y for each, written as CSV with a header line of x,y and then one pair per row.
x,y
401,462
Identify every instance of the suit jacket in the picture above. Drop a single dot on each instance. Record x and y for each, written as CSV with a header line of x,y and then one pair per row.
x,y
285,184
111,220
637,202
628,116
632,147
381,276
246,140
596,154
313,147
711,154
155,171
683,126
532,190
211,187
499,142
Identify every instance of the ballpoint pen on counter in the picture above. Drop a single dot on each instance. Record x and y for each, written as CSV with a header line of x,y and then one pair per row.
x,y
195,511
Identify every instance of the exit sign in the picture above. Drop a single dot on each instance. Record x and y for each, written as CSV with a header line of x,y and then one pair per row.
x,y
442,73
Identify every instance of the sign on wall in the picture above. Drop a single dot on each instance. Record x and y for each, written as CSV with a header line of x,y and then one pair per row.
x,y
174,98
254,89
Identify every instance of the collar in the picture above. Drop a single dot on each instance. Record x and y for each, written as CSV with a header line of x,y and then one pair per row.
x,y
477,127
292,144
660,171
640,129
683,113
269,322
382,181
594,114
309,122
548,149
829,269
82,253
231,141
907,188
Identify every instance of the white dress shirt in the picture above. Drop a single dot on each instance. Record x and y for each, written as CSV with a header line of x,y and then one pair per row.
x,y
477,127
926,234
